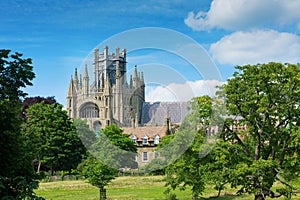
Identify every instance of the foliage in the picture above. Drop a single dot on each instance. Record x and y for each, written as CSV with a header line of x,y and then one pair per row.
x,y
17,177
192,167
259,144
265,99
111,150
28,101
16,73
97,173
52,137
114,148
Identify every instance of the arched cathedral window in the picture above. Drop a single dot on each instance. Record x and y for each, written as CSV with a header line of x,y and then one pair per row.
x,y
89,110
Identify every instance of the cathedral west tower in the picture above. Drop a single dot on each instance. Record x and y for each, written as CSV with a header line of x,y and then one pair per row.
x,y
108,98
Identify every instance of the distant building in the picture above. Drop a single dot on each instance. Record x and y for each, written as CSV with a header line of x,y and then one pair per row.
x,y
109,98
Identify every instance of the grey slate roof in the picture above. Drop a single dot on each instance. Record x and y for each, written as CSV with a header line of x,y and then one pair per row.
x,y
156,113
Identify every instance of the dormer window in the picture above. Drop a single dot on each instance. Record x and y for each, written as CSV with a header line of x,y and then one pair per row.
x,y
145,139
156,139
133,138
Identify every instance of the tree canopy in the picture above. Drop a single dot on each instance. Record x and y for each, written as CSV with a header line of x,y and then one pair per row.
x,y
17,177
110,151
53,138
259,142
266,98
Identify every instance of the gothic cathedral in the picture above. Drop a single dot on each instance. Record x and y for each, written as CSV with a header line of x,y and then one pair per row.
x,y
108,98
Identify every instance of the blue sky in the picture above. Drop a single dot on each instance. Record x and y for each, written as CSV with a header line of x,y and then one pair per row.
x,y
58,35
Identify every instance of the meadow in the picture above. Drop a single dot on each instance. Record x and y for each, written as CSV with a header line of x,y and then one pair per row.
x,y
129,188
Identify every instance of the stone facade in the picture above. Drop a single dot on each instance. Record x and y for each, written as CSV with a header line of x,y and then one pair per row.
x,y
109,98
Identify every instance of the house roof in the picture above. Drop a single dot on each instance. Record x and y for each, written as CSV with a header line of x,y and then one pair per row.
x,y
149,131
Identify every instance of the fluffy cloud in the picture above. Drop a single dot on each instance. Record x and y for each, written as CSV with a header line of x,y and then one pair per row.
x,y
181,92
244,14
258,46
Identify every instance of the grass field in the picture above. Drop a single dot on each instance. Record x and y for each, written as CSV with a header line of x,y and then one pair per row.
x,y
126,188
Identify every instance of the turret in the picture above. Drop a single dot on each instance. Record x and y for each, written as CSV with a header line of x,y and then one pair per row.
x,y
118,90
80,82
117,52
86,82
76,82
107,101
96,68
131,82
135,78
71,97
143,86
107,88
71,88
123,54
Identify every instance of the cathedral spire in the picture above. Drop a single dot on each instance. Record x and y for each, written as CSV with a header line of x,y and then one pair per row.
x,y
86,81
107,87
142,78
118,71
80,82
135,77
130,83
86,74
71,88
76,79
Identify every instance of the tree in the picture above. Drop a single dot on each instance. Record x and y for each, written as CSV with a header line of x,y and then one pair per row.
x,y
114,148
17,177
191,168
98,174
111,151
28,101
265,98
53,137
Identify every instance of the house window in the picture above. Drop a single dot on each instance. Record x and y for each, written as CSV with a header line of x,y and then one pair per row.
x,y
133,138
145,139
156,139
145,156
155,154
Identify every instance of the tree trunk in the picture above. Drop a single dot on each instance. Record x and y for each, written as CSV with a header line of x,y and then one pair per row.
x,y
39,166
195,198
259,197
102,194
219,192
51,170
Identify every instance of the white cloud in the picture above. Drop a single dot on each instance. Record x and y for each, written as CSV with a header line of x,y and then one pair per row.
x,y
258,46
244,14
181,92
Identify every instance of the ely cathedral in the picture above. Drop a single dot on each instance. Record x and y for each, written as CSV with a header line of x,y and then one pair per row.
x,y
109,98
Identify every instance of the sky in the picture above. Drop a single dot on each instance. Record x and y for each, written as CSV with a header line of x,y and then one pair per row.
x,y
59,36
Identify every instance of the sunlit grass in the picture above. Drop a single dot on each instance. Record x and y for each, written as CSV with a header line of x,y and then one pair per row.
x,y
130,188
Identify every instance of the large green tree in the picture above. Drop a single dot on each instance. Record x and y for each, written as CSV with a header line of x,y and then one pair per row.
x,y
196,138
17,177
53,137
265,98
259,142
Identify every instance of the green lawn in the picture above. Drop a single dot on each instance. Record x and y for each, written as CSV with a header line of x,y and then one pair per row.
x,y
126,188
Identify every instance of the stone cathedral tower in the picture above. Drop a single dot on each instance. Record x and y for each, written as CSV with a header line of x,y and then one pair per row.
x,y
109,98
